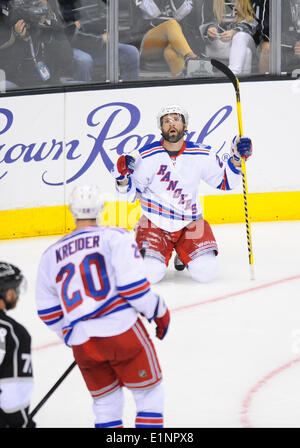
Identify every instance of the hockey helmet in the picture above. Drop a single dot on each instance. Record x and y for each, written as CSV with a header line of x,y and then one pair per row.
x,y
11,278
86,202
172,109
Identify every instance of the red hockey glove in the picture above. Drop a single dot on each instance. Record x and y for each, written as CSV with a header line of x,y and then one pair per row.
x,y
162,324
161,317
124,167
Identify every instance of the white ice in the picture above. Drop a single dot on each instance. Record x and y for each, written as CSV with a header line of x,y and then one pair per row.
x,y
231,357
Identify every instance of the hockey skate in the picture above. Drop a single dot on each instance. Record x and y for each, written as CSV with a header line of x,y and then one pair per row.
x,y
178,265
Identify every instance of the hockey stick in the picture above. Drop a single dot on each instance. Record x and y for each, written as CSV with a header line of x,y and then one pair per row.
x,y
223,68
53,389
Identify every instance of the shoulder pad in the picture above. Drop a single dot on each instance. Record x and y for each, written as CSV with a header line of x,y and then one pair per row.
x,y
156,144
190,145
118,229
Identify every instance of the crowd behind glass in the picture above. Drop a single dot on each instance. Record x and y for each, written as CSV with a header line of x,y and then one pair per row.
x,y
47,43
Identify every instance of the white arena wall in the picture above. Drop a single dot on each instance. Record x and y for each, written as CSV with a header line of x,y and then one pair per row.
x,y
49,143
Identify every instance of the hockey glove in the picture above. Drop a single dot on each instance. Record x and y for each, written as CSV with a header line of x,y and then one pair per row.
x,y
241,147
161,318
162,324
124,167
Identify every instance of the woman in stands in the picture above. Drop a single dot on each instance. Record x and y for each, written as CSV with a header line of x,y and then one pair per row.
x,y
164,37
228,29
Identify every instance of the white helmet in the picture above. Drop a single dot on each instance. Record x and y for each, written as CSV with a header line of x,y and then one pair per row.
x,y
172,109
86,202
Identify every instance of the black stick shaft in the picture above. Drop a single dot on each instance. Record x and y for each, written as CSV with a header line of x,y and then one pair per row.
x,y
53,388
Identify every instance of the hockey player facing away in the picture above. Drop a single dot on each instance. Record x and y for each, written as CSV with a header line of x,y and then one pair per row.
x,y
91,289
165,178
16,379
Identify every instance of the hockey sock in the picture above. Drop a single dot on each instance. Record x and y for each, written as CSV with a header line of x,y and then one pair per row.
x,y
149,420
113,424
203,268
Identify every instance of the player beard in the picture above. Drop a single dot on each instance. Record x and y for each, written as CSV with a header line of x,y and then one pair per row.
x,y
173,138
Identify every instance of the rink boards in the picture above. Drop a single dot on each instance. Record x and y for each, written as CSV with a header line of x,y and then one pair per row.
x,y
50,143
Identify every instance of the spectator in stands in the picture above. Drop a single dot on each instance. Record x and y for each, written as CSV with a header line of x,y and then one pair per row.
x,y
290,35
161,22
6,41
228,29
261,8
38,52
86,22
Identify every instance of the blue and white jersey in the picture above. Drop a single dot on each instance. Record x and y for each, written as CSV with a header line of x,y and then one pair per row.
x,y
168,187
91,283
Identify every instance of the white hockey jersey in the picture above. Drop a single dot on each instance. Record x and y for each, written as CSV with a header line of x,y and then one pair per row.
x,y
91,283
167,187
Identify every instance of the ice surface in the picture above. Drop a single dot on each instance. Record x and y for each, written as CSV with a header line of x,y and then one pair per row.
x,y
231,357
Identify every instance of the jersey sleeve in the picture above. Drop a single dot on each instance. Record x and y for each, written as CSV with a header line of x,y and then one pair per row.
x,y
48,303
131,280
16,377
220,175
15,351
3,333
138,181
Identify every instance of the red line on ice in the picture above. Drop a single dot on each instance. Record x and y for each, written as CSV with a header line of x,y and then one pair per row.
x,y
205,302
238,293
51,344
248,400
